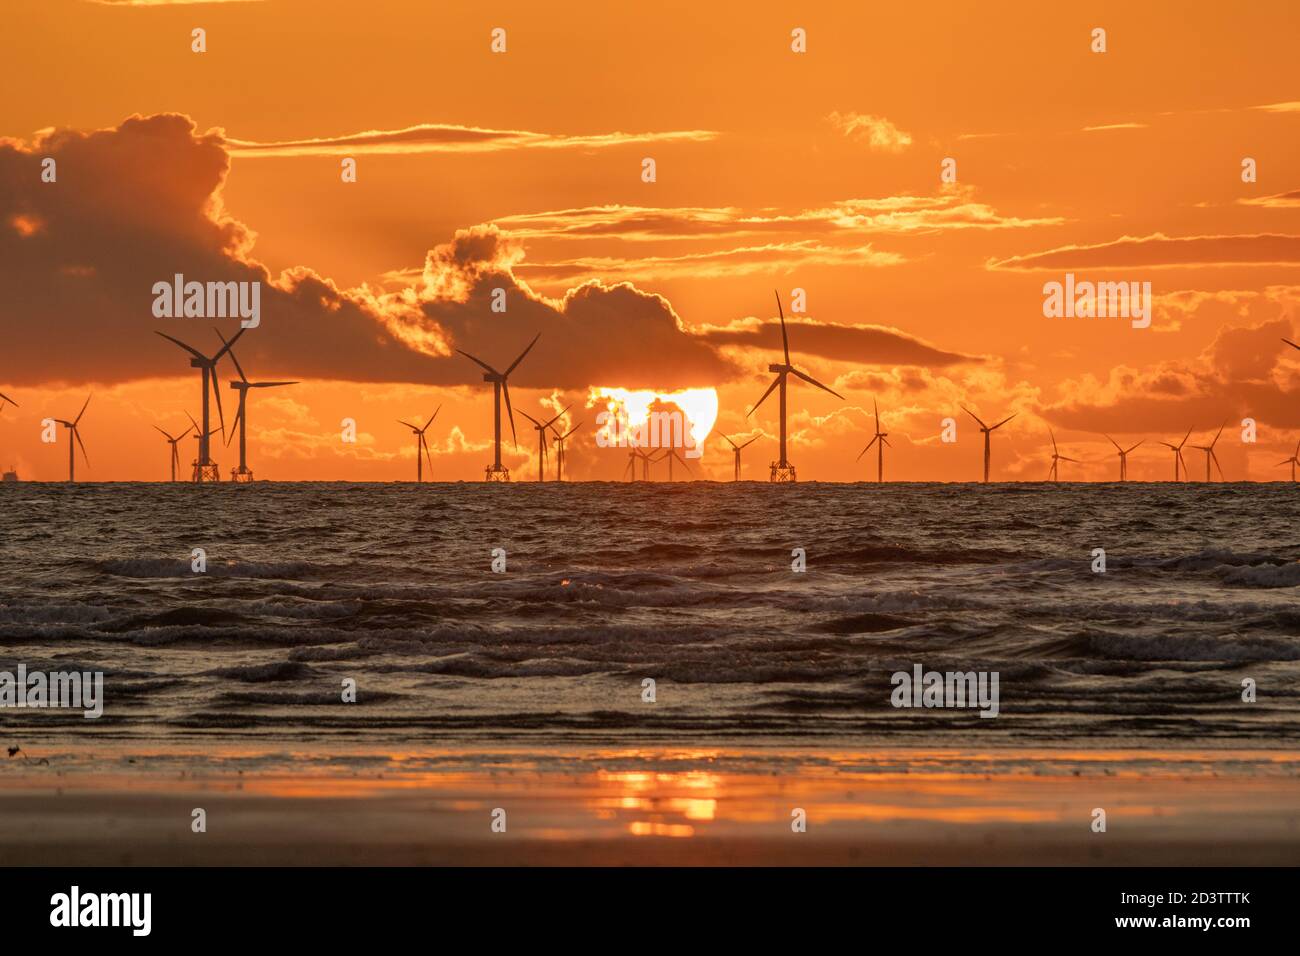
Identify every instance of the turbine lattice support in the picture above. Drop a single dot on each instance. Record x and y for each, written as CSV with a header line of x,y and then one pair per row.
x,y
241,477
206,473
493,473
783,473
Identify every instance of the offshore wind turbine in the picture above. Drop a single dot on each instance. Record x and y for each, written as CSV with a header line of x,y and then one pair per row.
x,y
74,435
880,441
736,449
421,445
205,469
242,474
1293,460
176,455
541,428
1057,458
782,470
1209,453
1178,454
559,450
987,430
1123,457
670,455
496,471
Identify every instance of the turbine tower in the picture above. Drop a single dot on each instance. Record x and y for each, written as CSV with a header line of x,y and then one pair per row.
x,y
496,471
987,430
205,469
541,428
242,475
1209,454
880,441
1123,457
74,435
1178,455
782,470
1293,460
421,445
559,450
1057,458
176,455
736,449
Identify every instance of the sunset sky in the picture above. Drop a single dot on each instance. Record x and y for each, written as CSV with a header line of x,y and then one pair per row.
x,y
775,170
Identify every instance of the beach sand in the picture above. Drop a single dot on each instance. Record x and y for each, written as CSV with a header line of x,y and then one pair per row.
x,y
649,806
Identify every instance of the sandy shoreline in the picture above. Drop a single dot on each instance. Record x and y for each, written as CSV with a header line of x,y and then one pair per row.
x,y
650,806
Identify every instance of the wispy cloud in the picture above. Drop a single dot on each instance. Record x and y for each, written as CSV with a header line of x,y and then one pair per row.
x,y
448,138
1110,126
1292,106
162,3
1288,200
876,132
1158,250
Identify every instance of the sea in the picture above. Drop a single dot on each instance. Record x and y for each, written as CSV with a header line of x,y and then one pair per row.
x,y
649,614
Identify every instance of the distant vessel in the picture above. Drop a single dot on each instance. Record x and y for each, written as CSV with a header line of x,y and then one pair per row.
x,y
10,475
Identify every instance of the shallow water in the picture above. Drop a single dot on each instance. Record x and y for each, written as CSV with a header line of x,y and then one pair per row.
x,y
688,584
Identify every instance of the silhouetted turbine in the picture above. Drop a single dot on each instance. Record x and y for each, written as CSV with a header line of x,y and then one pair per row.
x,y
1123,457
421,445
1053,473
783,470
737,448
559,450
1178,454
208,366
882,440
1293,460
495,472
74,433
987,430
176,455
541,428
1209,453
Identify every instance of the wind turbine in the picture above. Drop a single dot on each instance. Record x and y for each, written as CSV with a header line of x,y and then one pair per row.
x,y
495,471
987,430
1178,454
737,448
75,434
176,455
782,470
671,455
1209,453
1057,458
205,469
421,445
1123,457
559,450
242,474
1293,460
880,441
541,439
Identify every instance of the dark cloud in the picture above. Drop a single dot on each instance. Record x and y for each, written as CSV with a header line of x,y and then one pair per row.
x,y
865,344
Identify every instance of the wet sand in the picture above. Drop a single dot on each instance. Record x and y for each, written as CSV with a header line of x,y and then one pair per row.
x,y
649,806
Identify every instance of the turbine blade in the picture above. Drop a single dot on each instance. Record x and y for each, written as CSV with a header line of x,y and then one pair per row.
x,y
479,362
431,418
776,381
169,437
226,346
264,384
515,363
1290,343
238,367
193,351
427,457
76,433
972,415
1113,442
216,393
83,411
867,449
876,408
559,416
1215,459
1135,446
536,423
1053,434
510,413
1004,421
234,426
785,341
408,425
732,443
1185,437
752,440
812,381
6,398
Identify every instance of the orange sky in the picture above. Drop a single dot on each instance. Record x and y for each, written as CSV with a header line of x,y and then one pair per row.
x,y
775,170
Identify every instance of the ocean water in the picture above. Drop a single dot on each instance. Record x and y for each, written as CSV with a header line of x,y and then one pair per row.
x,y
690,584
